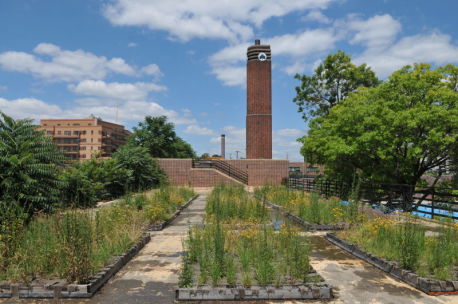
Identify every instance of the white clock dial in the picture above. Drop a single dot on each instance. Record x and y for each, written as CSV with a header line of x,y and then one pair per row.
x,y
262,56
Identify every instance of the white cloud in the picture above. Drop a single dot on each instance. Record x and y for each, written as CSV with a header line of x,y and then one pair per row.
x,y
115,90
132,44
230,20
197,130
3,88
227,63
29,108
435,48
291,132
235,141
152,70
230,76
283,145
376,32
63,65
131,111
316,16
286,147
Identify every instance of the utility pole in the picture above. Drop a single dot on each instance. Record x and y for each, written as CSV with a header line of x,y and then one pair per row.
x,y
237,154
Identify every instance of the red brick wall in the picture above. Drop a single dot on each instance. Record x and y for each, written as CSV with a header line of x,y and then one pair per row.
x,y
260,172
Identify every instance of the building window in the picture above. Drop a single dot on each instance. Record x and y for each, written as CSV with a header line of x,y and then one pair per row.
x,y
76,124
312,169
83,139
59,132
294,169
75,132
49,132
92,132
67,132
92,139
83,148
83,156
45,124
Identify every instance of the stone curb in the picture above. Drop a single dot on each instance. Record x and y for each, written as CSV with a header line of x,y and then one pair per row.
x,y
159,227
287,292
58,289
308,225
428,286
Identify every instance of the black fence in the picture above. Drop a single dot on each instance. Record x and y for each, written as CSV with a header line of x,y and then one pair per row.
x,y
429,202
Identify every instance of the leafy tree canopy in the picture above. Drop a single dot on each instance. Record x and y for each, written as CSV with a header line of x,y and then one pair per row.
x,y
145,172
159,138
394,132
331,83
28,166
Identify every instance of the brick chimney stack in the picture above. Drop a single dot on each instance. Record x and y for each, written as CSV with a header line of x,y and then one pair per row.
x,y
259,102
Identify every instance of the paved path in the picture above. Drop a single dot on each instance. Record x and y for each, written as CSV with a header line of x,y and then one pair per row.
x,y
359,282
152,276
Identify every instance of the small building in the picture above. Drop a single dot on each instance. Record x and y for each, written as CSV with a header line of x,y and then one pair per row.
x,y
305,169
79,139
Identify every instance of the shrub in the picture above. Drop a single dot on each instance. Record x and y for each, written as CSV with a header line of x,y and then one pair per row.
x,y
28,166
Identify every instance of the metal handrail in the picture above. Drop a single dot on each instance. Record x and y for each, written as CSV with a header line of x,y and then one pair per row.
x,y
223,167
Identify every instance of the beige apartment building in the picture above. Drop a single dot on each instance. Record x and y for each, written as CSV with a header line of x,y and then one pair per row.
x,y
79,139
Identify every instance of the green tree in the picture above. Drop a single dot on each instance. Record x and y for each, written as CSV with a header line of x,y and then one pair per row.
x,y
159,138
144,171
88,182
331,83
394,132
28,166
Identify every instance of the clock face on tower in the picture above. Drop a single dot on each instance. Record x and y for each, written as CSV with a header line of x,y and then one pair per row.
x,y
262,56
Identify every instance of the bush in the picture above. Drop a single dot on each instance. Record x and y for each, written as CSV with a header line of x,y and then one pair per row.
x,y
28,166
144,171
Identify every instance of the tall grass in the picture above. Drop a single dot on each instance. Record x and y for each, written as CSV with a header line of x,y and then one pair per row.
x,y
310,206
229,202
222,254
73,244
162,203
433,255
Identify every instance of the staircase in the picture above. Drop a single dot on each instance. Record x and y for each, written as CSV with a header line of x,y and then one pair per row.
x,y
222,167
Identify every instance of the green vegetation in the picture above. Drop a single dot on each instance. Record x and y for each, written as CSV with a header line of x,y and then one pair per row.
x,y
233,203
394,132
130,169
310,206
431,254
242,251
161,203
332,82
74,244
159,138
28,166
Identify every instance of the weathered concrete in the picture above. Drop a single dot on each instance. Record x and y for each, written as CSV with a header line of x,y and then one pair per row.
x,y
356,281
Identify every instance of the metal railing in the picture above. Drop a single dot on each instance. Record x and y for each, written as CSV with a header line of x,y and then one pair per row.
x,y
223,167
430,201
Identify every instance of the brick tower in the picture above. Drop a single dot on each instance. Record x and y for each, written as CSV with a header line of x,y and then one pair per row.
x,y
259,102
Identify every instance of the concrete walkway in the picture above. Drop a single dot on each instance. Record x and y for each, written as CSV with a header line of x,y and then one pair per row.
x,y
356,281
152,276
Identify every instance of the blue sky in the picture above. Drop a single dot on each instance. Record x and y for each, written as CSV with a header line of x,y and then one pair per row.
x,y
186,59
